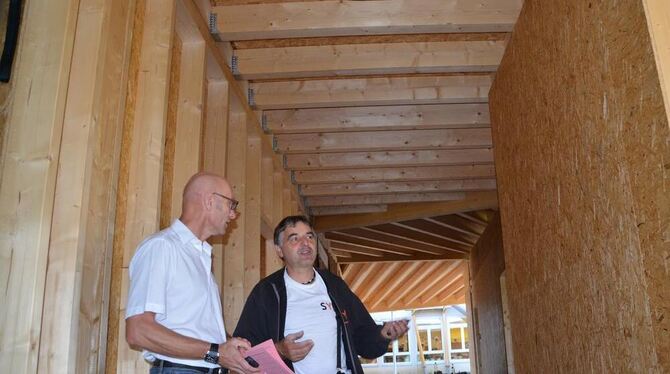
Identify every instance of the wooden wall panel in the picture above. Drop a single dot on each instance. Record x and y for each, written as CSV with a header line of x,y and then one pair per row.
x,y
234,242
581,147
252,213
658,18
140,175
487,262
213,149
80,244
30,151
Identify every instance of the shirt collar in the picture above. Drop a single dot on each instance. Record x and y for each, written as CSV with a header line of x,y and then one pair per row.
x,y
187,236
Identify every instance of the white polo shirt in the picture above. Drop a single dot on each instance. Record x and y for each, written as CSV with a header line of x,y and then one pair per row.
x,y
171,275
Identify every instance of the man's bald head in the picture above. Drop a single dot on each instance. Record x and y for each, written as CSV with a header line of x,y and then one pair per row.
x,y
203,184
205,213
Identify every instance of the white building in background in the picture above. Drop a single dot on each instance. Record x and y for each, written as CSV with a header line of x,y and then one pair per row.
x,y
444,340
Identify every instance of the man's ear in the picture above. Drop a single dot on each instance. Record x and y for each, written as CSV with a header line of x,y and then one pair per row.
x,y
279,252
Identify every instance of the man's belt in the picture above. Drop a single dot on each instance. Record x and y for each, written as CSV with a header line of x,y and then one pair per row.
x,y
167,364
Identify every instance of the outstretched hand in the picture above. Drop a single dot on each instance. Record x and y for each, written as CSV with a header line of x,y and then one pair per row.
x,y
394,329
294,351
231,356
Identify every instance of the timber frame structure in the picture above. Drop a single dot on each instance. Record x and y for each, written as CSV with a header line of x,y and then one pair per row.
x,y
511,155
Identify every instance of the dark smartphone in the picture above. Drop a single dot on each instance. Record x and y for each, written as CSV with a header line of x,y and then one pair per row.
x,y
251,361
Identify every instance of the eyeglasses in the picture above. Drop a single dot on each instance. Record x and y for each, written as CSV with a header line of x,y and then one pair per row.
x,y
231,202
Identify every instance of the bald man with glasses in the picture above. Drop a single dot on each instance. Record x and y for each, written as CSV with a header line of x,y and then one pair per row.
x,y
174,307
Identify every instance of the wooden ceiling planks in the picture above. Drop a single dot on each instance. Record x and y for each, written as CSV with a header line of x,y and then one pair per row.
x,y
380,111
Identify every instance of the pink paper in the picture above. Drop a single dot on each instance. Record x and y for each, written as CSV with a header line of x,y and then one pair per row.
x,y
268,358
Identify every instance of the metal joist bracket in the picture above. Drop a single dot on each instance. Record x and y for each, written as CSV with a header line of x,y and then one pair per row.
x,y
213,29
250,97
274,146
292,174
264,123
233,64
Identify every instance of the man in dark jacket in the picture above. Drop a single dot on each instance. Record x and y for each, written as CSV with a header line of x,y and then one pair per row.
x,y
300,302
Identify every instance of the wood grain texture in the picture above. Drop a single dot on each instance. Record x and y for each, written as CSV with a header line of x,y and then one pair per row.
x,y
30,151
582,164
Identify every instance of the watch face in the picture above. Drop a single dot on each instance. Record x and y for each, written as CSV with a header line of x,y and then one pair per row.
x,y
212,357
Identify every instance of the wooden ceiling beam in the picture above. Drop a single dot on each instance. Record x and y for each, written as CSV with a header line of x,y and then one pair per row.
x,y
423,227
444,275
409,232
408,211
407,90
433,157
401,277
365,272
333,189
377,118
382,233
426,270
361,250
472,218
389,258
382,243
354,209
355,200
462,229
416,173
382,276
377,58
455,278
334,18
384,140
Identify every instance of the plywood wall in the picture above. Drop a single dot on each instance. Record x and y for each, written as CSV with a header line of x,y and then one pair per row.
x,y
581,149
487,262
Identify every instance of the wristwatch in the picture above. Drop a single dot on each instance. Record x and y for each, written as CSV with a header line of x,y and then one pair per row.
x,y
212,356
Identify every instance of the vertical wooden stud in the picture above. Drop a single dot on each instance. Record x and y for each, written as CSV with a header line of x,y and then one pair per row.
x,y
252,216
28,175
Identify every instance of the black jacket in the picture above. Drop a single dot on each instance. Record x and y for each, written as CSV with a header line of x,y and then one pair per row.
x,y
264,316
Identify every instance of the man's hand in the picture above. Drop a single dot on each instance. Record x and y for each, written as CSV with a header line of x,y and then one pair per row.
x,y
231,356
395,329
294,351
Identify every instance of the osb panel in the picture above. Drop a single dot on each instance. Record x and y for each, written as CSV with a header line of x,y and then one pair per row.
x,y
581,150
487,262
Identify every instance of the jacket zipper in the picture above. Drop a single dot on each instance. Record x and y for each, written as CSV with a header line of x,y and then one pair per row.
x,y
345,336
274,288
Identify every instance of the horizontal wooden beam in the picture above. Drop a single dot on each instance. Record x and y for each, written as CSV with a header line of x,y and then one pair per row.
x,y
408,90
329,210
369,250
422,173
357,258
402,212
332,18
341,160
394,198
378,58
398,187
384,140
401,117
384,239
340,239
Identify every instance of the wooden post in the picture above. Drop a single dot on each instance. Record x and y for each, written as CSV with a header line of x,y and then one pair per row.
x,y
252,213
28,175
80,246
507,325
471,321
140,176
214,145
233,263
189,120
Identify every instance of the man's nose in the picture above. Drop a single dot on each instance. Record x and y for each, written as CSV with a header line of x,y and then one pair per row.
x,y
233,214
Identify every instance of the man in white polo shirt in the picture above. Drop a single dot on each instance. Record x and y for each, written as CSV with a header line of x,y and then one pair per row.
x,y
317,323
174,308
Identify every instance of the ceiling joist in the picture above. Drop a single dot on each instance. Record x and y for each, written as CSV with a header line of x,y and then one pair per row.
x,y
333,18
408,90
401,117
378,58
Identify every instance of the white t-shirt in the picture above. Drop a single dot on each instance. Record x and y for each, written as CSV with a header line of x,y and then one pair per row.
x,y
171,275
309,309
